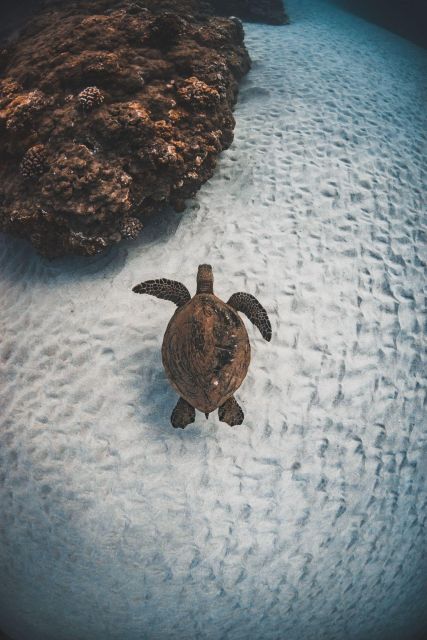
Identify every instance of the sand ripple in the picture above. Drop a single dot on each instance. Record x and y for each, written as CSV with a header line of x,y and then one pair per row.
x,y
306,522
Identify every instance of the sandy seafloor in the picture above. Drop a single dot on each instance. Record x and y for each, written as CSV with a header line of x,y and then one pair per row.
x,y
308,521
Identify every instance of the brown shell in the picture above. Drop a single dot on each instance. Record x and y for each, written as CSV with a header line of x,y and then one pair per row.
x,y
206,352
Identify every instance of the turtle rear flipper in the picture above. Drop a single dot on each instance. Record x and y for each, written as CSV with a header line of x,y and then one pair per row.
x,y
231,412
249,305
165,289
183,414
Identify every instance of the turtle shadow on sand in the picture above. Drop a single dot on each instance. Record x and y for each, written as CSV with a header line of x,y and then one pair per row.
x,y
155,398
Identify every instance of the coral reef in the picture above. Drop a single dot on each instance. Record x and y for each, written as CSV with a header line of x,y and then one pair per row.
x,y
90,98
109,110
270,11
34,162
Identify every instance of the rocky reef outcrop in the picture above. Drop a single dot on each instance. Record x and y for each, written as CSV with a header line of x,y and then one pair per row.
x,y
270,11
109,111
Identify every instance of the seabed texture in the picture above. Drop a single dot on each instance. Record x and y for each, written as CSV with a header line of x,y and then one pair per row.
x,y
308,521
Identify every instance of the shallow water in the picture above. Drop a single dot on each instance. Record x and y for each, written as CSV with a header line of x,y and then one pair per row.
x,y
308,520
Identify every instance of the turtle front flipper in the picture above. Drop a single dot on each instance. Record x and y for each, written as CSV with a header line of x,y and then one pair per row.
x,y
249,305
183,414
231,412
165,289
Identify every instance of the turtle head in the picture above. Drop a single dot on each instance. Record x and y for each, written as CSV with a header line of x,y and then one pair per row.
x,y
204,279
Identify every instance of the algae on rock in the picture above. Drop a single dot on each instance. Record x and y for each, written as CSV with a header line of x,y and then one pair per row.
x,y
108,112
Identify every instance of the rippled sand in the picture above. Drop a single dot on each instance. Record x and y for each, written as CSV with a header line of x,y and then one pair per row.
x,y
306,522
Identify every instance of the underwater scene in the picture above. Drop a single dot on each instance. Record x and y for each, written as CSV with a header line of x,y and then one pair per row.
x,y
213,248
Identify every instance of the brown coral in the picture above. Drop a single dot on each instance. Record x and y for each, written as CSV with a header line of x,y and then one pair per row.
x,y
90,98
197,94
23,109
165,30
155,118
131,228
34,162
84,189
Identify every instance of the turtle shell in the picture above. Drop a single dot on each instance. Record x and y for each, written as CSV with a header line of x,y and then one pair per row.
x,y
206,352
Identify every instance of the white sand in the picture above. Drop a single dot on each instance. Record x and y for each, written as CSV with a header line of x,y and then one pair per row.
x,y
307,521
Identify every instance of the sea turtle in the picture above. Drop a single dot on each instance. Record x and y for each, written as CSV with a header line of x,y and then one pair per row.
x,y
206,351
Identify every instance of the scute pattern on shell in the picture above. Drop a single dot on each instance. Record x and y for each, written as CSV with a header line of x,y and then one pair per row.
x,y
206,377
197,335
